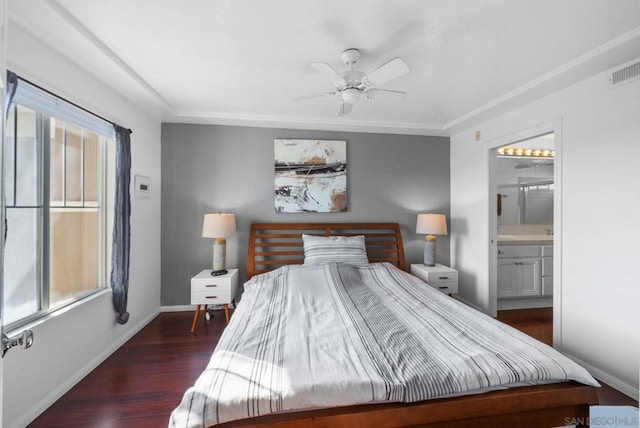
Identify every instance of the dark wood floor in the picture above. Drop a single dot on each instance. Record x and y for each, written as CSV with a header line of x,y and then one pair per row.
x,y
143,381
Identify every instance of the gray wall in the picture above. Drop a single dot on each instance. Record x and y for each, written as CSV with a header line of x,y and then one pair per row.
x,y
210,168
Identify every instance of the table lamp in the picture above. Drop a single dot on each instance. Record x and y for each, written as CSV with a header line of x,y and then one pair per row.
x,y
219,226
431,224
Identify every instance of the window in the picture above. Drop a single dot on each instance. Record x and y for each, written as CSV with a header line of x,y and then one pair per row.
x,y
55,192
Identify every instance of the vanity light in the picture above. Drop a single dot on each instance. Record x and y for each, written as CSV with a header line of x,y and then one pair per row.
x,y
524,152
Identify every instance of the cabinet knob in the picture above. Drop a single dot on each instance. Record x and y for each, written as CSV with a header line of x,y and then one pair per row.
x,y
443,277
500,252
212,285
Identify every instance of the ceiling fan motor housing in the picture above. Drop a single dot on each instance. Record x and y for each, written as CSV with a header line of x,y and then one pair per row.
x,y
351,76
350,56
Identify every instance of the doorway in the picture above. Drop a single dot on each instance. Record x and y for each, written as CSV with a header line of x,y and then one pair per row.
x,y
524,221
524,209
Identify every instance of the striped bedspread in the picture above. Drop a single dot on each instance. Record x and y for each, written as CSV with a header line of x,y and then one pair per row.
x,y
336,335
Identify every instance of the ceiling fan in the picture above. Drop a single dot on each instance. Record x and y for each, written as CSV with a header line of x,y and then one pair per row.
x,y
352,84
534,163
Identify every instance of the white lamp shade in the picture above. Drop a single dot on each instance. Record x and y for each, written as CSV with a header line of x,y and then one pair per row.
x,y
218,225
431,224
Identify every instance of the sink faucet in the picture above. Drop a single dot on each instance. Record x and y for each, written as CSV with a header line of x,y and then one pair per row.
x,y
548,232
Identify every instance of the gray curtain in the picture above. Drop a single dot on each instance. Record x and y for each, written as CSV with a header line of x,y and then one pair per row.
x,y
121,225
12,85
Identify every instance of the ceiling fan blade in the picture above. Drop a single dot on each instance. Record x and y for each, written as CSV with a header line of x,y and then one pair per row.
x,y
395,91
371,91
330,72
389,71
310,97
345,108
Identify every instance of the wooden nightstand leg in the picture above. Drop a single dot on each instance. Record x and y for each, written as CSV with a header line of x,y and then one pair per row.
x,y
195,319
226,312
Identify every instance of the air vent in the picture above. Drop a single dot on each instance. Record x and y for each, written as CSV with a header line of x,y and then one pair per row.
x,y
627,74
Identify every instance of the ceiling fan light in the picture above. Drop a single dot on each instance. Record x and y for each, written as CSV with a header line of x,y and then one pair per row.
x,y
350,95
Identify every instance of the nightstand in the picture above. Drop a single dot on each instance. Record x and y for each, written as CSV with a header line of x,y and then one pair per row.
x,y
213,290
440,277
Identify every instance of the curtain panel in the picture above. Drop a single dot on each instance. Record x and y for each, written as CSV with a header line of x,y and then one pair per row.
x,y
12,85
121,224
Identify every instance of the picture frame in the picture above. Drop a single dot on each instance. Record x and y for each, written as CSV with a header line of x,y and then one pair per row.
x,y
310,176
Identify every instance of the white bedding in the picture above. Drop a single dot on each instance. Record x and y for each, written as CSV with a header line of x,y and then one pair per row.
x,y
335,335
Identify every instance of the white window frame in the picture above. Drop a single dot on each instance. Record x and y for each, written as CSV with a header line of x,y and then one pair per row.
x,y
47,105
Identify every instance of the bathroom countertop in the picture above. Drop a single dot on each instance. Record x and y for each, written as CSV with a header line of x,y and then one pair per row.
x,y
525,239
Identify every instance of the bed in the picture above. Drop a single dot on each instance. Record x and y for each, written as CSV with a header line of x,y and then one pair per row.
x,y
350,342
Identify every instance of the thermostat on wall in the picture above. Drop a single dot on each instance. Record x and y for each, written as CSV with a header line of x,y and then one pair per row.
x,y
142,186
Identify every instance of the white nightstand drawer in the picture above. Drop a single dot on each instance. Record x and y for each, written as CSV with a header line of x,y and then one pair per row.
x,y
448,288
201,286
219,296
442,277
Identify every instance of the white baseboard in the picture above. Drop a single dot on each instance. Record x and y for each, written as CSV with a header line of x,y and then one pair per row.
x,y
525,303
188,308
627,389
178,308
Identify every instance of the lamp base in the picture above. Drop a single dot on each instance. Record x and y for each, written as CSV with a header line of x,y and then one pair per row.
x,y
219,272
430,250
219,254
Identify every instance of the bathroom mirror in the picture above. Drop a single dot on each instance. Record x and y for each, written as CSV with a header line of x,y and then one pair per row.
x,y
535,200
525,191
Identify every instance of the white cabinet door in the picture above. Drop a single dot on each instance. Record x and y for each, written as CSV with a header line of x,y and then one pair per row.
x,y
519,277
547,275
508,274
529,272
547,286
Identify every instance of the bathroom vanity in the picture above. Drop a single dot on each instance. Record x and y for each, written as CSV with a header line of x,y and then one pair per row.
x,y
525,271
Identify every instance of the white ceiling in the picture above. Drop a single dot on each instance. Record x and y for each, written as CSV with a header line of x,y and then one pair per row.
x,y
243,61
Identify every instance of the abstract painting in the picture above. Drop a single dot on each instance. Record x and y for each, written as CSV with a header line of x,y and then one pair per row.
x,y
311,176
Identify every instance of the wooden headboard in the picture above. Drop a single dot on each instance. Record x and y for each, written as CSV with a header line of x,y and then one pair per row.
x,y
277,244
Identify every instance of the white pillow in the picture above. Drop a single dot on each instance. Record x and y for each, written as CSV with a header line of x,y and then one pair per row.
x,y
320,250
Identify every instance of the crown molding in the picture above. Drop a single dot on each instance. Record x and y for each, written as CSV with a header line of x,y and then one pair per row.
x,y
218,118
